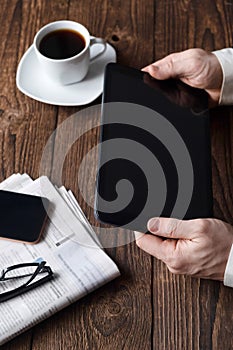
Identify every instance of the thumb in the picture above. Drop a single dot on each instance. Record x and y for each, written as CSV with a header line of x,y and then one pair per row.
x,y
172,228
172,66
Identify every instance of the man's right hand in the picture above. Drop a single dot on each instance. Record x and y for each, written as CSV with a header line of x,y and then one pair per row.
x,y
194,67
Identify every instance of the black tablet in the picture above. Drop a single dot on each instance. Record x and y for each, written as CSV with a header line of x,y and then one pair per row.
x,y
154,150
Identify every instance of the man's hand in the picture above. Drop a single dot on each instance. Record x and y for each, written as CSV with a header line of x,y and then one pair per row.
x,y
199,247
194,67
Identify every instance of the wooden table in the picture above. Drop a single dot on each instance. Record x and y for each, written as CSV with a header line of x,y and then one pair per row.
x,y
147,307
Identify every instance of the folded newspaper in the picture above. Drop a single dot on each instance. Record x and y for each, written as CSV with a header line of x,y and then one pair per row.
x,y
68,245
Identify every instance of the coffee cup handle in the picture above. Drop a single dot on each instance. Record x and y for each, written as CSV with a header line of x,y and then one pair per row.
x,y
101,41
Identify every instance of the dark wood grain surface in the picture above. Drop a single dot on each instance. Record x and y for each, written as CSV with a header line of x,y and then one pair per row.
x,y
147,307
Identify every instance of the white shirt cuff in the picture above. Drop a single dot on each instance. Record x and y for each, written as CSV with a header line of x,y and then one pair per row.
x,y
225,58
228,276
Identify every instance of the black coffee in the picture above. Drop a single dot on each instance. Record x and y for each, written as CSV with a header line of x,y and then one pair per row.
x,y
61,44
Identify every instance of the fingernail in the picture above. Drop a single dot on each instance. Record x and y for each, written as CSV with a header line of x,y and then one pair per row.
x,y
153,225
138,235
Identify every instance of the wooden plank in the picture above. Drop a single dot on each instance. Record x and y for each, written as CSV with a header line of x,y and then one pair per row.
x,y
180,25
115,316
192,314
25,124
222,160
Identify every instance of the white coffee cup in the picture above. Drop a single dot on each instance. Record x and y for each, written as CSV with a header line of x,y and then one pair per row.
x,y
67,70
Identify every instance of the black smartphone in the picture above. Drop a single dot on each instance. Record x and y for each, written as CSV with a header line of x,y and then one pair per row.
x,y
155,156
22,216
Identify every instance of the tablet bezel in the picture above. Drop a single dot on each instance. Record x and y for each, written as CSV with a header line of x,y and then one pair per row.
x,y
132,73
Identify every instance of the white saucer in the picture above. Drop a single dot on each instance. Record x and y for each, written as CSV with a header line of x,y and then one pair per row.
x,y
34,83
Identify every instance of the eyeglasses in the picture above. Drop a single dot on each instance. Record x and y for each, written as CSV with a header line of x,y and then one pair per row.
x,y
18,279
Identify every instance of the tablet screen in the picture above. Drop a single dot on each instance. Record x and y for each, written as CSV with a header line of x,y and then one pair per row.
x,y
22,216
155,150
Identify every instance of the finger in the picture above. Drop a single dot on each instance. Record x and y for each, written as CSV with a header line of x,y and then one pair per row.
x,y
155,246
173,228
172,66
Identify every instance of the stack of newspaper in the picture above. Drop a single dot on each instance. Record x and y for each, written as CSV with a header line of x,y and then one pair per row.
x,y
69,246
